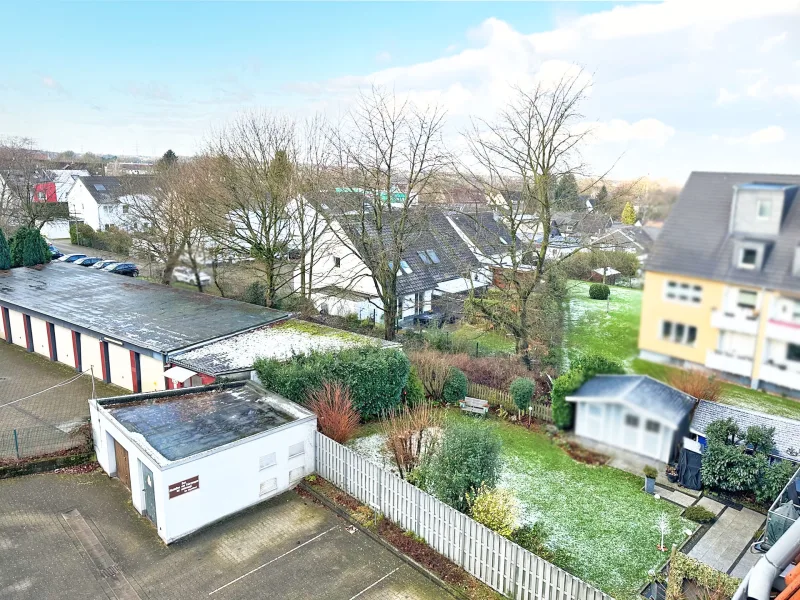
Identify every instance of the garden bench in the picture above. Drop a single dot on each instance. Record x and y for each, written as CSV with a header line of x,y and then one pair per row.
x,y
474,405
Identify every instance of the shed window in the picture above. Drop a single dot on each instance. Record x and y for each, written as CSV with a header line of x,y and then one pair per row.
x,y
265,462
631,420
793,352
268,486
297,449
652,426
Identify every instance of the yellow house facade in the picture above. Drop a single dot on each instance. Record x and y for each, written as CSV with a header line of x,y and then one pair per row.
x,y
722,286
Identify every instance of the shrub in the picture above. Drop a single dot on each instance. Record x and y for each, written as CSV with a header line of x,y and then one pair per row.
x,y
468,457
696,383
255,293
599,291
410,438
760,438
376,377
563,411
773,480
597,364
34,249
455,386
433,371
698,514
522,393
723,431
730,468
413,393
496,509
496,372
581,264
650,472
336,417
5,253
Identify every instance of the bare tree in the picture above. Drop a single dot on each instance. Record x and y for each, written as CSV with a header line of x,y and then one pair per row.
x,y
255,170
21,169
517,160
386,154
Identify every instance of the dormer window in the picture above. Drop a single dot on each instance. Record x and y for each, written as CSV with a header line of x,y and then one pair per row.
x,y
764,209
748,258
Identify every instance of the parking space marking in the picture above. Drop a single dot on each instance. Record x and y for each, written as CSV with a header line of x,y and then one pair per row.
x,y
316,537
369,587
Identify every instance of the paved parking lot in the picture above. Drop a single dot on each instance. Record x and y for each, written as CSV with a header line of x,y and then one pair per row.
x,y
286,548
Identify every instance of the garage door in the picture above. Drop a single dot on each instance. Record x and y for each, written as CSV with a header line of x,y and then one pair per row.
x,y
123,466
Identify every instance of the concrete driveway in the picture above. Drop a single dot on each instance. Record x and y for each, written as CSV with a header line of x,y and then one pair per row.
x,y
77,537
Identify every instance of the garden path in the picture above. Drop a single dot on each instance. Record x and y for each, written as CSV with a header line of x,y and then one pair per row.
x,y
727,538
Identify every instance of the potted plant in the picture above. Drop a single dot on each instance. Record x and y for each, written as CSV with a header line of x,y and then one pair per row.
x,y
650,479
672,473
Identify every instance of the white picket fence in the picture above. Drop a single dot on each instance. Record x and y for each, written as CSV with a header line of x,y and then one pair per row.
x,y
495,560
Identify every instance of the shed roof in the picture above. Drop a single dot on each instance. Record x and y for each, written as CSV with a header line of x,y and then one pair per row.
x,y
638,390
787,431
178,424
280,341
147,315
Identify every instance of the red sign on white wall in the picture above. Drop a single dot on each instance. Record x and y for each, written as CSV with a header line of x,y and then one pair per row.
x,y
184,487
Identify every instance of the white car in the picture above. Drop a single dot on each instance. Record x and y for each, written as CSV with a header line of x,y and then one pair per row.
x,y
71,257
104,263
186,275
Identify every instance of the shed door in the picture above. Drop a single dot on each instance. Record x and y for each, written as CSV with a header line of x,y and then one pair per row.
x,y
123,467
630,428
149,493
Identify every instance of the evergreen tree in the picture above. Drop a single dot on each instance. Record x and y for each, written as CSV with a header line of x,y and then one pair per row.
x,y
567,193
5,253
33,246
628,214
168,160
602,198
16,245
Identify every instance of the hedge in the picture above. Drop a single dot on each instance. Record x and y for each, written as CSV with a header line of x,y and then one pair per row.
x,y
582,368
599,291
376,377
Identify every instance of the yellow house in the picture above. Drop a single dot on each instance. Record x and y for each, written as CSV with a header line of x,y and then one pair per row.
x,y
722,284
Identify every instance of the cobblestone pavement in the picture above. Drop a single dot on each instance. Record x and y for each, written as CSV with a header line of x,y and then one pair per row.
x,y
286,548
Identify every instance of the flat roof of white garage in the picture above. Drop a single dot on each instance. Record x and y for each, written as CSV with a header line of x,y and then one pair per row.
x,y
148,315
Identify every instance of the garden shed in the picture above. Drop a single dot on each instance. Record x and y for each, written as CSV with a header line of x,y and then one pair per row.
x,y
193,456
634,413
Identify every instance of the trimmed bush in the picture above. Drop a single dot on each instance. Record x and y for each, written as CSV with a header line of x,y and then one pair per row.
x,y
455,386
5,253
414,392
496,509
522,393
698,514
597,364
650,472
599,291
773,480
563,411
376,377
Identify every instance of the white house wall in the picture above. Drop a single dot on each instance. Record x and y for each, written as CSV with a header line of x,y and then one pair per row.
x,y
56,230
39,333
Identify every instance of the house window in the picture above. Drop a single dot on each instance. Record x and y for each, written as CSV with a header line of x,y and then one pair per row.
x,y
268,486
652,426
125,208
747,299
265,462
764,209
106,226
691,334
793,352
99,187
678,333
631,420
406,269
683,292
434,257
297,449
42,196
423,256
503,241
337,262
748,258
666,329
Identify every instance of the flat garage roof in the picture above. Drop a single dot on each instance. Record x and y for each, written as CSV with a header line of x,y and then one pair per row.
x,y
149,315
179,425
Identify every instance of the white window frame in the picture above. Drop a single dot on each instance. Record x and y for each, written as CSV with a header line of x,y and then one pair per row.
x,y
762,202
267,461
683,292
268,487
298,449
746,307
744,265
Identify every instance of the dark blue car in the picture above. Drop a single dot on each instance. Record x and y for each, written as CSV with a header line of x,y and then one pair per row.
x,y
55,253
128,269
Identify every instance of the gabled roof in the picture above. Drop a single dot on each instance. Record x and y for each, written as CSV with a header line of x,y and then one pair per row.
x,y
695,239
787,431
641,391
626,236
486,232
592,223
104,190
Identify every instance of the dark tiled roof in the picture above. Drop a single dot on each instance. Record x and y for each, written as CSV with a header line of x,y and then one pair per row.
x,y
589,222
640,390
110,188
695,240
787,431
148,315
484,231
625,237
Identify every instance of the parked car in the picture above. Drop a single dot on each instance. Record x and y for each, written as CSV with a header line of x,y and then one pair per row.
x,y
71,257
55,253
88,261
129,269
104,263
186,275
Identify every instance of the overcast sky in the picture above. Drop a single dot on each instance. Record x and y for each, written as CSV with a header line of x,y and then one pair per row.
x,y
676,87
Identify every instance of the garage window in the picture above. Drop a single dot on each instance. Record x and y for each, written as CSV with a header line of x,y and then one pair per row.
x,y
265,462
631,420
297,449
652,426
296,474
268,486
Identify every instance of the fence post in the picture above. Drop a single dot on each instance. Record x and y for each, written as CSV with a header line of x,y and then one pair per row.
x,y
16,443
345,453
416,517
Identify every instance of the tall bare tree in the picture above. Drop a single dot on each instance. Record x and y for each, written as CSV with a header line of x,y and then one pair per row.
x,y
21,168
387,152
517,159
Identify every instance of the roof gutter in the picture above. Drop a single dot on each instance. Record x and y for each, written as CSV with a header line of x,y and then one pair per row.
x,y
757,584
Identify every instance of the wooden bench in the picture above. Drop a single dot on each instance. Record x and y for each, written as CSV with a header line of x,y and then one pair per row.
x,y
474,405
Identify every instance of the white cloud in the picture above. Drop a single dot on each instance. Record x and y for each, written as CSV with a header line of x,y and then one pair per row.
x,y
619,130
756,89
52,84
726,97
773,41
383,57
791,90
768,135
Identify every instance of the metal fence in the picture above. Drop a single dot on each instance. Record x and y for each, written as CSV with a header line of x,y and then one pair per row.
x,y
496,397
495,560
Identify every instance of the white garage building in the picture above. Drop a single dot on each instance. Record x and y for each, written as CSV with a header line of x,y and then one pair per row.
x,y
196,455
633,412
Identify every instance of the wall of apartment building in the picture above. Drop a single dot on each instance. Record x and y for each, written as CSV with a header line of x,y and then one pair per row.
x,y
657,308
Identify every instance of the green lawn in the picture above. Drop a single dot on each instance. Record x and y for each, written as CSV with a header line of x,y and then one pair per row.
x,y
486,341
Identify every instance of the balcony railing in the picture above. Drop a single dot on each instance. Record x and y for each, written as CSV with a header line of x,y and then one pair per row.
x,y
729,363
784,375
741,322
783,331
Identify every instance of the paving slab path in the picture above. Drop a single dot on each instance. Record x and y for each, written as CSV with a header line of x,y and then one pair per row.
x,y
727,538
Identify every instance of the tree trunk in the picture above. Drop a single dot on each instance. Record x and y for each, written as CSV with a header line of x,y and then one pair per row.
x,y
390,318
169,267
